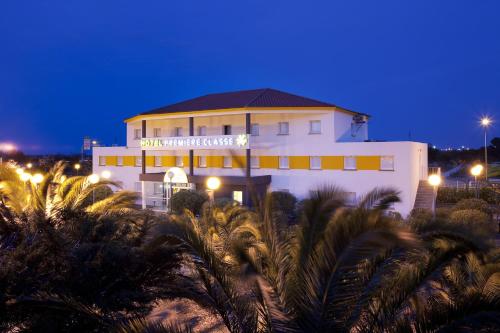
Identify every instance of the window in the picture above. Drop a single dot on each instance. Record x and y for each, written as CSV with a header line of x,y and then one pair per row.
x,y
157,161
238,196
138,186
137,133
202,130
119,161
102,160
178,131
387,163
315,127
226,130
283,162
349,163
315,162
202,161
157,132
157,188
283,128
228,161
254,162
179,161
138,161
254,129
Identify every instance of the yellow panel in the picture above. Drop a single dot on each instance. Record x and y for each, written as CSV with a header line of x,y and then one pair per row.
x,y
239,161
299,162
368,162
196,161
150,161
185,160
111,160
168,161
332,162
269,162
128,160
215,161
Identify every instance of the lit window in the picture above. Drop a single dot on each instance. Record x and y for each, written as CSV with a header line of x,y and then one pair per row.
x,y
254,129
315,162
178,131
349,162
387,163
228,161
283,162
202,161
102,160
226,130
254,162
137,133
238,196
315,127
119,161
158,188
283,128
202,130
158,161
157,132
179,161
138,161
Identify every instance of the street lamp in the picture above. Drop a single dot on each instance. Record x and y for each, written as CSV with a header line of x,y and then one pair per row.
x,y
93,179
106,174
434,180
77,168
37,178
476,170
19,171
29,165
25,176
170,175
213,183
485,123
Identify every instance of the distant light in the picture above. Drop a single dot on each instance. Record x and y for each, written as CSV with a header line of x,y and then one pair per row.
x,y
29,165
25,176
94,142
19,171
106,174
476,170
93,178
213,183
485,121
77,166
434,180
37,178
7,147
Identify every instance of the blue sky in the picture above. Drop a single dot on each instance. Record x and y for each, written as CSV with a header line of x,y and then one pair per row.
x,y
74,68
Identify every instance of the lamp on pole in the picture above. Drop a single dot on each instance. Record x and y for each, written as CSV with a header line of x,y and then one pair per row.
x,y
476,170
93,179
434,180
77,168
213,183
170,175
485,123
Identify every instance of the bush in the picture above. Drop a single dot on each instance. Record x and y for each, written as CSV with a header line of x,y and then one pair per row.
x,y
469,216
454,195
283,201
475,204
188,199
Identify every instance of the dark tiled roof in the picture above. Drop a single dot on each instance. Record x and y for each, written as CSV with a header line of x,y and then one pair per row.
x,y
256,98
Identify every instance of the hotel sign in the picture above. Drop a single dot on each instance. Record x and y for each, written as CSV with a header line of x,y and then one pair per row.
x,y
240,141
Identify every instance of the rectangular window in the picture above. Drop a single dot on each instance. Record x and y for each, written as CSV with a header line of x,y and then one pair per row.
x,y
157,161
349,162
137,133
202,130
238,196
254,162
179,161
119,161
283,128
158,188
228,162
138,161
226,130
315,162
315,127
157,132
202,161
178,131
254,129
387,163
283,162
102,160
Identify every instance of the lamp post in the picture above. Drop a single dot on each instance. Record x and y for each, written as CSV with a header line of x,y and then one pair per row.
x,y
77,168
106,174
213,183
36,179
485,123
93,179
476,170
434,180
29,165
170,175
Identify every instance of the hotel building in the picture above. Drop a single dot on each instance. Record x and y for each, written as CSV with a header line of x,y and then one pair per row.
x,y
257,141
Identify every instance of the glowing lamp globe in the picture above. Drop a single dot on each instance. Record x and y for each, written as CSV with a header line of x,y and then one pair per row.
x,y
19,171
106,174
434,180
29,165
476,170
213,183
25,176
37,178
77,166
93,178
485,121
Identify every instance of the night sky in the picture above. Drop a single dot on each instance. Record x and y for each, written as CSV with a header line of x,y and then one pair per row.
x,y
70,68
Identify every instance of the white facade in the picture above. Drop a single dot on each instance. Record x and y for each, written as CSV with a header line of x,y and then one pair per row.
x,y
323,146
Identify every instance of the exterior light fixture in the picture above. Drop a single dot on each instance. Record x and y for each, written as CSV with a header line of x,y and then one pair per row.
x,y
29,165
434,180
485,123
25,176
106,174
476,170
37,178
93,178
77,167
19,171
213,183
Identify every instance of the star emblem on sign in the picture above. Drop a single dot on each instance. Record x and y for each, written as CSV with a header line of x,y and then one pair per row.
x,y
241,140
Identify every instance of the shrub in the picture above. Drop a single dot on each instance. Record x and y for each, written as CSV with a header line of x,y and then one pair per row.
x,y
476,220
188,199
475,204
223,202
286,203
454,195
